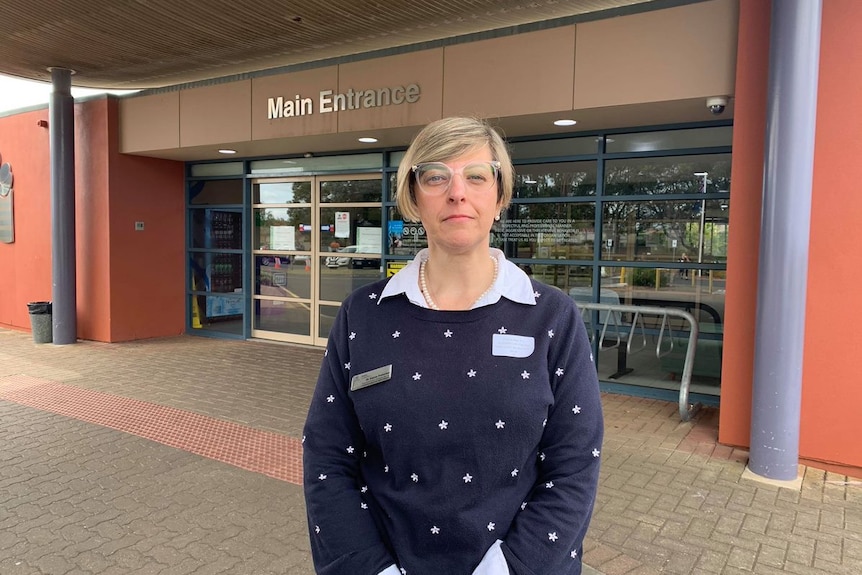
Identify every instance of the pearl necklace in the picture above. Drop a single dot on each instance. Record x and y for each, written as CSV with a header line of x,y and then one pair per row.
x,y
423,284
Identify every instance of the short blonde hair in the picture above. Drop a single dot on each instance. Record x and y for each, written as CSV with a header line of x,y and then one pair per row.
x,y
444,140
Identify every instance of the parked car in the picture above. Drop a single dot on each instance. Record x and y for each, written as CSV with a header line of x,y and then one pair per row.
x,y
342,261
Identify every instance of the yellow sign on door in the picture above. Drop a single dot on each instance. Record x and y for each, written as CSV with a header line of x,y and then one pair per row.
x,y
393,267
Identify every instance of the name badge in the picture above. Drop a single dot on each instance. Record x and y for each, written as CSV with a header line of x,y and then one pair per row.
x,y
370,378
507,345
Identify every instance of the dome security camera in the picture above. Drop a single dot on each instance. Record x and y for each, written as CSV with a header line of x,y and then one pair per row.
x,y
716,104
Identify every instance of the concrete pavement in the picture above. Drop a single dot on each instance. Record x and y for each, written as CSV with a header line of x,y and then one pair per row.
x,y
180,455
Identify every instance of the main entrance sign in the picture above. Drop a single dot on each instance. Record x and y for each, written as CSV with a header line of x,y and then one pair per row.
x,y
330,101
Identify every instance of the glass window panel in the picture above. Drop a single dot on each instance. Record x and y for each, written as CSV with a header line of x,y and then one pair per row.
x,y
570,179
555,180
547,231
282,229
219,169
613,362
361,227
554,148
324,163
395,159
349,258
351,191
665,231
284,275
659,287
209,192
216,229
326,319
340,275
411,238
281,193
645,369
670,175
393,185
701,293
670,140
282,316
569,278
595,321
221,314
715,229
223,307
216,272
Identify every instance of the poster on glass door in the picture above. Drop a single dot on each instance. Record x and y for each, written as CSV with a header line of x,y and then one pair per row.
x,y
342,224
282,238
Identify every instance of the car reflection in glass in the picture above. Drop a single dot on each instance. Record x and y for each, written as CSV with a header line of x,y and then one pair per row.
x,y
278,261
342,261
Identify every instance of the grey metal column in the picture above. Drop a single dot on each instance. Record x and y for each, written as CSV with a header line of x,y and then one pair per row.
x,y
794,55
61,108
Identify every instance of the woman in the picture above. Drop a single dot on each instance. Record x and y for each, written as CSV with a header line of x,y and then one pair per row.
x,y
456,426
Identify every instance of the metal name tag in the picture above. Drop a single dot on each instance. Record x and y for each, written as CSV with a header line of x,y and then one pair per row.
x,y
370,378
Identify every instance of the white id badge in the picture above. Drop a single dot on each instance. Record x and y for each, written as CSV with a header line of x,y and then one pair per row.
x,y
507,345
370,378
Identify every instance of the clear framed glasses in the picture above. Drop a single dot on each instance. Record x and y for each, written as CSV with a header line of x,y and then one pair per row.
x,y
435,178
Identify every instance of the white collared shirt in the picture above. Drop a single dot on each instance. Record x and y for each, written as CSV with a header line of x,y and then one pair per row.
x,y
511,283
493,563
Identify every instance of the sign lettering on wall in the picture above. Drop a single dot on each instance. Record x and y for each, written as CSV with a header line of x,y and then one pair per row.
x,y
553,230
330,101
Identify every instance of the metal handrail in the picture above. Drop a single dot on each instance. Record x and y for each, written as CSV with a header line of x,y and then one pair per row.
x,y
686,410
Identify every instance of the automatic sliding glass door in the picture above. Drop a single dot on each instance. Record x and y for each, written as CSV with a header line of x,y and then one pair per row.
x,y
350,216
315,240
282,255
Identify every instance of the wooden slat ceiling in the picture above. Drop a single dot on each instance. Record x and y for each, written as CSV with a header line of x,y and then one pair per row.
x,y
136,44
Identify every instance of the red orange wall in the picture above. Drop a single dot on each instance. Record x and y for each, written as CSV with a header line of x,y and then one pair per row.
x,y
746,176
25,265
830,424
130,285
831,394
93,234
147,267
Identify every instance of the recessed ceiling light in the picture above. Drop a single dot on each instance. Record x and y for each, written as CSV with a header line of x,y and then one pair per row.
x,y
227,151
367,140
565,122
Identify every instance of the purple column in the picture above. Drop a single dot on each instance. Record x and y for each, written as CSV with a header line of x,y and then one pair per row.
x,y
794,55
61,108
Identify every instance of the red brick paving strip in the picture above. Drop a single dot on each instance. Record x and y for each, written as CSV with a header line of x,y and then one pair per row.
x,y
270,454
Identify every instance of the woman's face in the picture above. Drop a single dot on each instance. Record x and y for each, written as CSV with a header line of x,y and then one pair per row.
x,y
459,219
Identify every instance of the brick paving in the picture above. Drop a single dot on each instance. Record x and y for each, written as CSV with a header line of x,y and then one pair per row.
x,y
251,449
180,455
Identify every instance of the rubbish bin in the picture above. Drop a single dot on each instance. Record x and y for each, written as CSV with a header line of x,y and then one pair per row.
x,y
41,321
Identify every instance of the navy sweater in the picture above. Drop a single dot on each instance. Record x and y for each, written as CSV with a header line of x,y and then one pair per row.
x,y
489,427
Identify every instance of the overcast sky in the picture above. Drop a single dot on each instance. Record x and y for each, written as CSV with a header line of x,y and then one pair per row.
x,y
16,93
